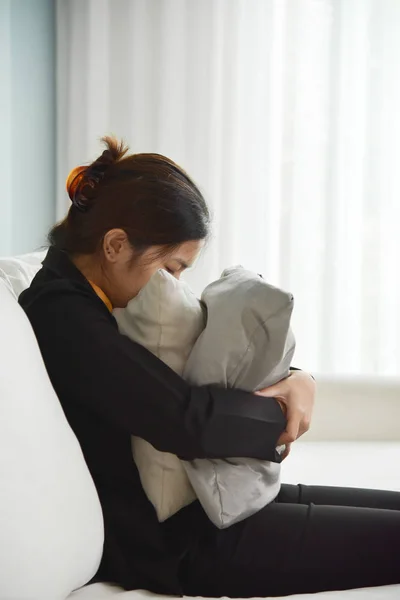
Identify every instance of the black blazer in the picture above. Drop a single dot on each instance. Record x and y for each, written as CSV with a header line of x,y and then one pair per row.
x,y
111,388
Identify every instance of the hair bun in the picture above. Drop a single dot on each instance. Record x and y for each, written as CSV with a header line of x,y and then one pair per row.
x,y
107,156
96,171
82,182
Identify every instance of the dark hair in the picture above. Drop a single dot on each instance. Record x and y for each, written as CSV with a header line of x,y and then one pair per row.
x,y
147,195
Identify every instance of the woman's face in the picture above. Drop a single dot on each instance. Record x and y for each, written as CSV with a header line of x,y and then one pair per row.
x,y
124,275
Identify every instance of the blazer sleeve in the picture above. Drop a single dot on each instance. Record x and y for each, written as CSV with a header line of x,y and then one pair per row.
x,y
91,363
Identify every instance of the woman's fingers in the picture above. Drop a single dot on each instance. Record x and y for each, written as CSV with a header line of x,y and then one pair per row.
x,y
291,432
287,451
295,395
279,390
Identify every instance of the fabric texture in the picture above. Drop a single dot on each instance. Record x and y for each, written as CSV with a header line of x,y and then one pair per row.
x,y
111,388
166,318
17,272
311,539
246,343
51,521
104,591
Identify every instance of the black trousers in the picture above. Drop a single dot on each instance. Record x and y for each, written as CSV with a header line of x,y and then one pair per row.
x,y
310,539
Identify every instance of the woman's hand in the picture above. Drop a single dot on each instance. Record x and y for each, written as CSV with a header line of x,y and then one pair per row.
x,y
296,396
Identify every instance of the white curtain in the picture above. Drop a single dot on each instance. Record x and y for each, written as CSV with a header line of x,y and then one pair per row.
x,y
286,112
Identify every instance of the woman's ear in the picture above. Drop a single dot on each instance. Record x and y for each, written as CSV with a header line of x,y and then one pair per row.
x,y
116,246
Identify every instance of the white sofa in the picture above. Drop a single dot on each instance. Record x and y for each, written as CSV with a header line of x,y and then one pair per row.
x,y
51,528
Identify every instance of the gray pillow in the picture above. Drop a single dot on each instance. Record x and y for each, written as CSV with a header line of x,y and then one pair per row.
x,y
248,344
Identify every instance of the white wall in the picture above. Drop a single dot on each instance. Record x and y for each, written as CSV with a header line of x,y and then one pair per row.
x,y
358,409
27,119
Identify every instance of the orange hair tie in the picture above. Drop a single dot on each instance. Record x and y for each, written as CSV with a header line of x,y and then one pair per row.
x,y
73,180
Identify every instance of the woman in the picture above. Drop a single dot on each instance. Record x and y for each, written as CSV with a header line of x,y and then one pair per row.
x,y
129,217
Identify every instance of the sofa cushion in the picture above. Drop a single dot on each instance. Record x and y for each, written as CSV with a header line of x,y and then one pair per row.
x,y
18,271
50,517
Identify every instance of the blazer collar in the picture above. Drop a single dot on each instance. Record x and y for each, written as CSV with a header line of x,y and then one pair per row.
x,y
59,263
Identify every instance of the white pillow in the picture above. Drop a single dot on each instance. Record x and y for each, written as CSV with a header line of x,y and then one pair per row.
x,y
151,320
51,524
18,271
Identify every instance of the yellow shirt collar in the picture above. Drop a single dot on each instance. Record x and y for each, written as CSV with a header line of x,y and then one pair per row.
x,y
101,295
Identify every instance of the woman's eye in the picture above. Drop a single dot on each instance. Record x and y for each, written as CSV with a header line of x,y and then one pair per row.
x,y
169,271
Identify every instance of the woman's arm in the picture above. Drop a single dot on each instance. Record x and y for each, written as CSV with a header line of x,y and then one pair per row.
x,y
90,363
296,394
